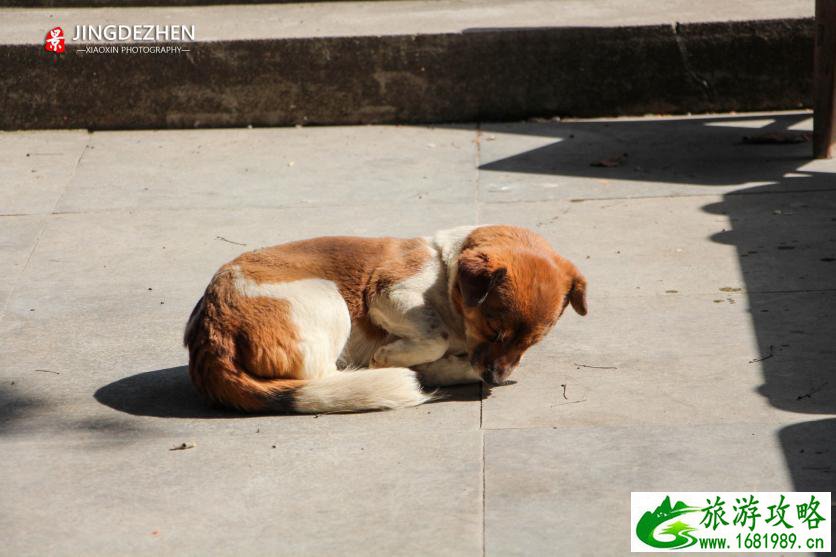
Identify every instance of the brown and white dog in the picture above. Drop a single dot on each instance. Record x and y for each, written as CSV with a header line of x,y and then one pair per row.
x,y
278,329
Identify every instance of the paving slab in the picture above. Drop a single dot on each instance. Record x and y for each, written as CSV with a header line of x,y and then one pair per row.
x,y
727,358
174,252
18,236
609,368
783,241
269,494
567,491
306,167
768,289
36,169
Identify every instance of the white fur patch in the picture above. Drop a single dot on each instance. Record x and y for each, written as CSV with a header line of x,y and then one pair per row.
x,y
396,311
319,313
449,242
366,389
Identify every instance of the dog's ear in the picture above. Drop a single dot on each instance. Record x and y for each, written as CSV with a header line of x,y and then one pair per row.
x,y
476,278
577,294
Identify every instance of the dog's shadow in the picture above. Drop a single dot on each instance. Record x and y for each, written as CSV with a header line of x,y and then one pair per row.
x,y
162,393
168,393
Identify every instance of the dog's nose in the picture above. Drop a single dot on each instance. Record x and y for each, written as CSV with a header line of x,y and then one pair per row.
x,y
494,376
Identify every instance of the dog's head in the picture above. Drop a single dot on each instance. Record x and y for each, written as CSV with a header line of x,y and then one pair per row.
x,y
511,289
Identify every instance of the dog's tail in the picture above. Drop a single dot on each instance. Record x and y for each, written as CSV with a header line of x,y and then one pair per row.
x,y
363,389
214,358
345,391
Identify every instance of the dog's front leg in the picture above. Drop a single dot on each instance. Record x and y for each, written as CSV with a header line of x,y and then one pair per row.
x,y
449,370
421,336
408,352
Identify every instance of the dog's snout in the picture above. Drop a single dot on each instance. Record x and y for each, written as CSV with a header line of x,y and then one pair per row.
x,y
496,365
495,375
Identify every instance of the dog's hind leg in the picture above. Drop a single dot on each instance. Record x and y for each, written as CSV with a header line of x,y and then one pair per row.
x,y
264,347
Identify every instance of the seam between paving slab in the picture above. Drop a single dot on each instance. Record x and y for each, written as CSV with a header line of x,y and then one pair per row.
x,y
484,486
482,470
477,184
796,417
696,293
672,196
439,202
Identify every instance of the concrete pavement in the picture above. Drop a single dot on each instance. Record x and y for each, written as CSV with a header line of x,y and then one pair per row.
x,y
703,255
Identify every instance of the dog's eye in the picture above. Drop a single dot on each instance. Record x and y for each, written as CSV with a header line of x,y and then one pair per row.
x,y
495,329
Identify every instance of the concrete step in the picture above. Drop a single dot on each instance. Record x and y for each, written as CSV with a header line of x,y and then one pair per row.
x,y
408,62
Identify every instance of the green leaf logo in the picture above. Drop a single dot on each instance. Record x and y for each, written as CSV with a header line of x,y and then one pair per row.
x,y
680,531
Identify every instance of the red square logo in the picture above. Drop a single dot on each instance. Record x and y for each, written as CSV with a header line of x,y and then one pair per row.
x,y
54,41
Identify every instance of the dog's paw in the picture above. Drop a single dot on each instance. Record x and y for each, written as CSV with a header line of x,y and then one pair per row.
x,y
380,357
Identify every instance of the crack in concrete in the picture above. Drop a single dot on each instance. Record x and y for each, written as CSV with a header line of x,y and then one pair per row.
x,y
484,491
41,230
476,203
685,56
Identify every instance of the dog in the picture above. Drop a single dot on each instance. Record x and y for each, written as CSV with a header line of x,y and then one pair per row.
x,y
340,324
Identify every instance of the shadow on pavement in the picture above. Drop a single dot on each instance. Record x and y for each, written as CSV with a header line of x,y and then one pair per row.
x,y
163,393
786,244
15,407
709,151
168,393
808,448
